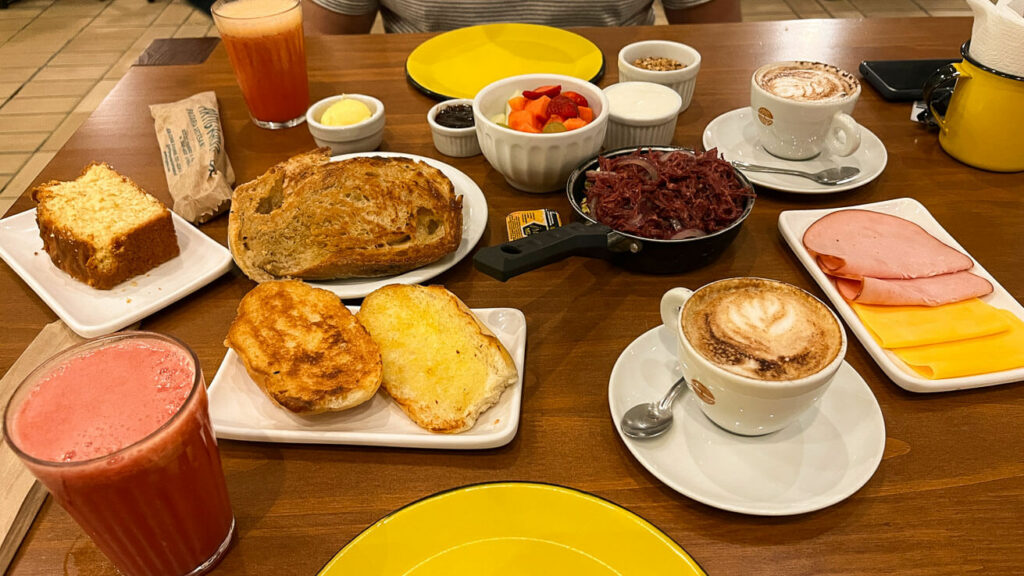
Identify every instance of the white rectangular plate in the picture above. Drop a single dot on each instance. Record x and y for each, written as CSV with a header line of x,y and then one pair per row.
x,y
793,224
241,411
91,312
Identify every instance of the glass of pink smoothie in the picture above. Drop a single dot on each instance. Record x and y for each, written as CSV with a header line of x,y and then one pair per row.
x,y
117,429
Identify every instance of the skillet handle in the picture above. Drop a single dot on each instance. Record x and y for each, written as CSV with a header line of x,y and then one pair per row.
x,y
504,261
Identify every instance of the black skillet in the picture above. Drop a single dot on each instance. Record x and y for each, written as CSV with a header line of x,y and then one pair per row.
x,y
587,237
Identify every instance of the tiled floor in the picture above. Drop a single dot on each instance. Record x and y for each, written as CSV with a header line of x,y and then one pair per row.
x,y
59,59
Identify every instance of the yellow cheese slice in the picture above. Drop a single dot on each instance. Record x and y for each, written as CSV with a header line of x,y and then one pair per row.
x,y
904,326
995,353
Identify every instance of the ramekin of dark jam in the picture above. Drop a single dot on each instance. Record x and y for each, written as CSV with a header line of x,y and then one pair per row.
x,y
453,129
455,116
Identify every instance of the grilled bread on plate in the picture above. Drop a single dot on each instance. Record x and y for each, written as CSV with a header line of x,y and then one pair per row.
x,y
363,217
441,364
304,348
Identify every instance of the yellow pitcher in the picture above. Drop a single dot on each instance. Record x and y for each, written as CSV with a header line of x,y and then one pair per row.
x,y
984,123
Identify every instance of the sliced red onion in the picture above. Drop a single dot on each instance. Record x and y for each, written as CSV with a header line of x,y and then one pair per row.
x,y
688,233
652,170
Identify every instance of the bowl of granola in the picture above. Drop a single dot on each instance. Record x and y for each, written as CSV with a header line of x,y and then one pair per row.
x,y
663,62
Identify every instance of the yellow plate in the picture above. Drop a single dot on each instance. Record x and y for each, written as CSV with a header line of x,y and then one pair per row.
x,y
512,528
459,63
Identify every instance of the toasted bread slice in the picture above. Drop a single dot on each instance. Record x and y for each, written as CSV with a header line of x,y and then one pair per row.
x,y
261,196
441,364
363,217
304,349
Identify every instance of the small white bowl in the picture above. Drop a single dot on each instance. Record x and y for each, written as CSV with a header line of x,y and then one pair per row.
x,y
641,114
456,142
363,136
537,162
682,81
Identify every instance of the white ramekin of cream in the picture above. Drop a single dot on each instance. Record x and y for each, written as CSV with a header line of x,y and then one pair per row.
x,y
641,114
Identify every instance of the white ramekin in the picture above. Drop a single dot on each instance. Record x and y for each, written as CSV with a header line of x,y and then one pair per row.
x,y
683,81
456,142
364,136
642,125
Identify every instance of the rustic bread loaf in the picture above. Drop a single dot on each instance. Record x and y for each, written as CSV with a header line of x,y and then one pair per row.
x,y
314,219
441,364
304,348
101,228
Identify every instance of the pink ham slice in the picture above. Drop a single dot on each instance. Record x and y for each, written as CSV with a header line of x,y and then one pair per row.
x,y
933,291
858,243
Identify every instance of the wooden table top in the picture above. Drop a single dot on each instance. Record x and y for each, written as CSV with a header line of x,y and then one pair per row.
x,y
947,498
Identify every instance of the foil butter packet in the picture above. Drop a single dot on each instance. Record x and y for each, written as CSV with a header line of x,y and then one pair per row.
x,y
522,224
198,171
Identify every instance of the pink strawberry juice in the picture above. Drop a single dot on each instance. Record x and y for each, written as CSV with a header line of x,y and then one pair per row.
x,y
118,430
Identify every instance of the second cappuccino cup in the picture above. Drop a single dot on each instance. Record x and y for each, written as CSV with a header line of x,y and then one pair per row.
x,y
802,109
756,352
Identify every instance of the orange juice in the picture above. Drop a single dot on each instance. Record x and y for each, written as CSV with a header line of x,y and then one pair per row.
x,y
264,42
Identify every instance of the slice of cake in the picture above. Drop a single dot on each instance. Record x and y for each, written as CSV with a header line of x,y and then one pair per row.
x,y
101,228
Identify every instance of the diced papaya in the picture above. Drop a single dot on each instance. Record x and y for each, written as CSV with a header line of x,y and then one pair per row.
x,y
586,113
555,118
574,123
517,102
539,108
524,121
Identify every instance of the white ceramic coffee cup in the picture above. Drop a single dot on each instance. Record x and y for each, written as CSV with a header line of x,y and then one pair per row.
x,y
740,404
799,130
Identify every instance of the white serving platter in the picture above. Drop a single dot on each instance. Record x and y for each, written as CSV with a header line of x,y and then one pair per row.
x,y
241,411
793,224
91,312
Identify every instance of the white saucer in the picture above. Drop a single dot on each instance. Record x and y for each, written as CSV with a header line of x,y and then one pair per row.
x,y
735,136
820,460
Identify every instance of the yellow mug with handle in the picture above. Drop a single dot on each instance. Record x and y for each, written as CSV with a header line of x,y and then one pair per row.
x,y
983,126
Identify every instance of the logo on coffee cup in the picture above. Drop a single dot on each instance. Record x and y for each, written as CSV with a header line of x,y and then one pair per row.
x,y
701,391
765,116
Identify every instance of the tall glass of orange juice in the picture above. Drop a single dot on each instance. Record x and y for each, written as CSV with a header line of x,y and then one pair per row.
x,y
266,49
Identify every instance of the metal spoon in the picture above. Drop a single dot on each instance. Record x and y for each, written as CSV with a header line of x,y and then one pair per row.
x,y
653,418
828,176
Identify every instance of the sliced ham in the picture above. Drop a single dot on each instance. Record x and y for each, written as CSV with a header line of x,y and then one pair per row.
x,y
933,291
861,243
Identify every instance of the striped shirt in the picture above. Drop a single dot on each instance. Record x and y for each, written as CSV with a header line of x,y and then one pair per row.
x,y
435,15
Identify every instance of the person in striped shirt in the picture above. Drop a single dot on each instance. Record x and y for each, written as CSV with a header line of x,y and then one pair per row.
x,y
357,16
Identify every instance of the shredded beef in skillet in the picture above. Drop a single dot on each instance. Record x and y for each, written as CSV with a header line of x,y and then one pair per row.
x,y
665,195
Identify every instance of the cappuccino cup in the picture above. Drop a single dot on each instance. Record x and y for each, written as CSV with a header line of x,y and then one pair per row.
x,y
756,352
802,109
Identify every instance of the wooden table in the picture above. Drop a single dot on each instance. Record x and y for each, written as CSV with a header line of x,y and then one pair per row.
x,y
948,497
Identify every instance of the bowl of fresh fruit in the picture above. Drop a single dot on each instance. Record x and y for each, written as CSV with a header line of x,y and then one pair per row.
x,y
535,129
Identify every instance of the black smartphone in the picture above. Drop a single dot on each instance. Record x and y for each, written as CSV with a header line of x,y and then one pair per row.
x,y
901,79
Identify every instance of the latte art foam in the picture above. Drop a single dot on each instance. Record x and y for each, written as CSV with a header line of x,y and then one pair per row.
x,y
761,329
807,82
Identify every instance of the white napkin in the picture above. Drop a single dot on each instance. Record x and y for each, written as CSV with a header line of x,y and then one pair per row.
x,y
997,40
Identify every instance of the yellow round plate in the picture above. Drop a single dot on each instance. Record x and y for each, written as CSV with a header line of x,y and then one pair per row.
x,y
459,63
512,528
